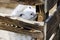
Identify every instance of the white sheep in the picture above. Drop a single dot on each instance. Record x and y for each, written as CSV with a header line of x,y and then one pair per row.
x,y
24,11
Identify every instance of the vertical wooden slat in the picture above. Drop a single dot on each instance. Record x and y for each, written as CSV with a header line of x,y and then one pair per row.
x,y
41,13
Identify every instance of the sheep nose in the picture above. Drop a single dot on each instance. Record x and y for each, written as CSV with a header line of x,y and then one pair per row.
x,y
21,15
33,14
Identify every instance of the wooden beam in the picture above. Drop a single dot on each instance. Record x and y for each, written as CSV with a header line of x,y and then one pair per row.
x,y
21,31
29,2
18,21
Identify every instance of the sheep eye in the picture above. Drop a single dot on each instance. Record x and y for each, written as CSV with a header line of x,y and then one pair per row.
x,y
31,14
21,15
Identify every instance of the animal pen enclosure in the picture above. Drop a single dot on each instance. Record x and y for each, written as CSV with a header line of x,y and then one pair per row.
x,y
44,28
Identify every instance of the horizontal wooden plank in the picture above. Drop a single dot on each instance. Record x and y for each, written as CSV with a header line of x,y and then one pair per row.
x,y
29,2
26,2
20,23
18,30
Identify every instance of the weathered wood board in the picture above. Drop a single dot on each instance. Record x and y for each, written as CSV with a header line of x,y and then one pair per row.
x,y
53,24
24,28
51,3
28,2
